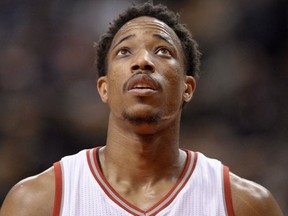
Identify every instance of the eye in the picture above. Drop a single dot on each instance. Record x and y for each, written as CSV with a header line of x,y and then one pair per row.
x,y
123,52
163,52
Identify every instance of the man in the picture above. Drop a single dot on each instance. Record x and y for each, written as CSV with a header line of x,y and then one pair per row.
x,y
147,64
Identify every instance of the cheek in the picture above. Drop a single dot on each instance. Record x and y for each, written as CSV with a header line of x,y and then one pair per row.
x,y
175,87
114,79
114,89
174,77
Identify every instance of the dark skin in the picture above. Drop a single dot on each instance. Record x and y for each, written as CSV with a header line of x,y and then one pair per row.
x,y
143,128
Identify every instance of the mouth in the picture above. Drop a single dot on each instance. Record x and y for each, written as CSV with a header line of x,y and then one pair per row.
x,y
142,85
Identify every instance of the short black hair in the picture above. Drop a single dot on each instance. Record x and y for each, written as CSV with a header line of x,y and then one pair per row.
x,y
162,13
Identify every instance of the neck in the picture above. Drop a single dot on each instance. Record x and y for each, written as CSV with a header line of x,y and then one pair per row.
x,y
143,159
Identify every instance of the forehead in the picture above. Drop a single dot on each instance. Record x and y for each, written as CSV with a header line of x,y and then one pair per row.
x,y
145,24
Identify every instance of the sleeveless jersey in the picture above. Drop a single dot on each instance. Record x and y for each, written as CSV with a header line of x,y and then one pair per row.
x,y
203,189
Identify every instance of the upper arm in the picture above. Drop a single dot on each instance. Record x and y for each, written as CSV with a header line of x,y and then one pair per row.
x,y
251,199
31,196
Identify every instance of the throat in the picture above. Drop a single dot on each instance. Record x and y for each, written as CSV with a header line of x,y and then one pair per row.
x,y
141,173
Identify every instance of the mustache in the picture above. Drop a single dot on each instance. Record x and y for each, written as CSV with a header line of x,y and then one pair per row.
x,y
140,76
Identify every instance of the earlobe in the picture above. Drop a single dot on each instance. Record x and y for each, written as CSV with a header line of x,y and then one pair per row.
x,y
102,87
190,86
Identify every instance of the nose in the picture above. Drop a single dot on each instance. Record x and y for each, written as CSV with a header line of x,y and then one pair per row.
x,y
143,62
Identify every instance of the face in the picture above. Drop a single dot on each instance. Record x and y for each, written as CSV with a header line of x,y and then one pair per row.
x,y
146,81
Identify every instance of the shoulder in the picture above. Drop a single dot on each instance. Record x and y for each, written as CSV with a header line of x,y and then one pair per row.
x,y
31,196
250,198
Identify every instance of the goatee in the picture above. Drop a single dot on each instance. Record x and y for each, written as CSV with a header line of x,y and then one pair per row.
x,y
136,120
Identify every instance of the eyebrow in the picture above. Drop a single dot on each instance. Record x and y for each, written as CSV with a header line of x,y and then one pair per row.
x,y
161,37
124,39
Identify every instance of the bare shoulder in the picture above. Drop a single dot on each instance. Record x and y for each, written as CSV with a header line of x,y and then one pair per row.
x,y
250,198
31,196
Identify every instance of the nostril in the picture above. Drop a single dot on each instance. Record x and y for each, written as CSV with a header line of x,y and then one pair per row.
x,y
135,67
148,68
145,68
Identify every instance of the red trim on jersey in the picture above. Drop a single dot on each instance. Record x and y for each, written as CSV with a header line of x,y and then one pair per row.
x,y
58,189
105,181
178,182
113,195
227,192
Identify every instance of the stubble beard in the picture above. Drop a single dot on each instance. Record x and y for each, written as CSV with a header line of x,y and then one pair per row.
x,y
141,120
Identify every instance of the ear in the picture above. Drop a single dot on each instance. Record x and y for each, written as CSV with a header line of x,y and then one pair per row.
x,y
102,87
190,86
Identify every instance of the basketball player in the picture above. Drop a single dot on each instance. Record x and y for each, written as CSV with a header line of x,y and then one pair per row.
x,y
147,64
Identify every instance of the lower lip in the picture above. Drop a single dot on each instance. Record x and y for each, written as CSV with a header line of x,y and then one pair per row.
x,y
142,92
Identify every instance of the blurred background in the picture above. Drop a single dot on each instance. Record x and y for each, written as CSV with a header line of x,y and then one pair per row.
x,y
49,105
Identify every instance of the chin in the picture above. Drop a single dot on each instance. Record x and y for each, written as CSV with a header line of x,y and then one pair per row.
x,y
143,119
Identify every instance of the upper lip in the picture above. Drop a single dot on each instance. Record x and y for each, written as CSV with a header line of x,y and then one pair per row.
x,y
142,81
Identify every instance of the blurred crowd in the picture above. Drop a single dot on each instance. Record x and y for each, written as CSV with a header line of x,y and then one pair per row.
x,y
49,105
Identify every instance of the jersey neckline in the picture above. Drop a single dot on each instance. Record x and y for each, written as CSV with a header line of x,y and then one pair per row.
x,y
95,169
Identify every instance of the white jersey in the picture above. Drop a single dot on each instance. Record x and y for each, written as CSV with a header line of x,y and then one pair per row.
x,y
203,189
